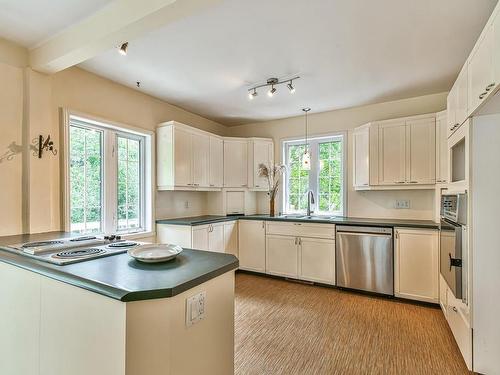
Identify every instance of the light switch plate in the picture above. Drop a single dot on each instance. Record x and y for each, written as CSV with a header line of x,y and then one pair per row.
x,y
195,308
402,204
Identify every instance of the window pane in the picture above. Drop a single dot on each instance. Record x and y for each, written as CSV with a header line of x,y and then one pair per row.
x,y
129,184
330,177
298,179
85,173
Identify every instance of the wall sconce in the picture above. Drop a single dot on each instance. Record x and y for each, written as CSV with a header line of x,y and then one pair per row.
x,y
43,145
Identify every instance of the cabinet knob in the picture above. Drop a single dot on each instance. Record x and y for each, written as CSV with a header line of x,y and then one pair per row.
x,y
454,309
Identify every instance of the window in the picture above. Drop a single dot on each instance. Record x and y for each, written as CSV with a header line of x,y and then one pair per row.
x,y
108,181
325,178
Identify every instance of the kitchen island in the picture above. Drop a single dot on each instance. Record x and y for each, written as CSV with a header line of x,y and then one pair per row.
x,y
114,315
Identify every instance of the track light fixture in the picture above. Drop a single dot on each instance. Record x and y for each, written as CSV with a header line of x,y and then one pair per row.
x,y
123,49
272,82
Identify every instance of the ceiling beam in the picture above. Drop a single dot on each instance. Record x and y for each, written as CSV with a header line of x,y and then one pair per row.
x,y
120,21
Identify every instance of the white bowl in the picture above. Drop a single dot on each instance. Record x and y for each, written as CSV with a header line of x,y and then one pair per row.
x,y
155,253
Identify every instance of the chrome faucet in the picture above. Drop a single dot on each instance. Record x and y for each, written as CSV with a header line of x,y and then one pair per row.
x,y
310,200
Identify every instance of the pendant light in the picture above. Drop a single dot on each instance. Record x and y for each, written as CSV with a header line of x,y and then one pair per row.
x,y
306,157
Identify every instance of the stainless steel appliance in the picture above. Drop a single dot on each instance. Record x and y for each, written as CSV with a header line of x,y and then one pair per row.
x,y
453,243
365,259
72,250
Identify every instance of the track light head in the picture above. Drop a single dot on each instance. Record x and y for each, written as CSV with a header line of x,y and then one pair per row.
x,y
123,49
253,94
272,91
290,87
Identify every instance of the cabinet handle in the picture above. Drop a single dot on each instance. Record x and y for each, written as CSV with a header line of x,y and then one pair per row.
x,y
399,182
243,185
257,185
263,224
300,241
482,95
490,86
413,182
212,185
295,240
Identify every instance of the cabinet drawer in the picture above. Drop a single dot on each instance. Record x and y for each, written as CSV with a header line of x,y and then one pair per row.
x,y
301,229
461,330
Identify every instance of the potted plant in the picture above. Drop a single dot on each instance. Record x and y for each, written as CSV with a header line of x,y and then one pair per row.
x,y
273,175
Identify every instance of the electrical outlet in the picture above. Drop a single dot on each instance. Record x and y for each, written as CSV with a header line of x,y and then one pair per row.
x,y
186,204
402,204
195,308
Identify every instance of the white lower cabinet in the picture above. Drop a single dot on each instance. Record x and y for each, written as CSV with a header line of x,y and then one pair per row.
x,y
416,264
218,237
317,260
289,253
252,245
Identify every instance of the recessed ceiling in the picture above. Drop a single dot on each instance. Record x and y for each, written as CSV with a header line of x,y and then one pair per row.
x,y
29,22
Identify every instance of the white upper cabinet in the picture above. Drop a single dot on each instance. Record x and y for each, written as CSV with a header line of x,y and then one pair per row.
x,y
235,162
458,102
392,152
395,154
421,159
216,163
442,148
481,72
260,151
188,158
361,150
200,144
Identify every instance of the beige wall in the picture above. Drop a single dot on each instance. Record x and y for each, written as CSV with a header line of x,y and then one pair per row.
x,y
359,204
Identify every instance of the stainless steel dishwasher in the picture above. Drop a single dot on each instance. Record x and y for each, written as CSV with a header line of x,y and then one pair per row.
x,y
365,259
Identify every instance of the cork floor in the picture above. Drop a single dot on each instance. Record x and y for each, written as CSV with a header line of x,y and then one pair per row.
x,y
289,328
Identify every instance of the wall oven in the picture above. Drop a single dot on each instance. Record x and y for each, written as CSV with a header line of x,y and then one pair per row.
x,y
453,243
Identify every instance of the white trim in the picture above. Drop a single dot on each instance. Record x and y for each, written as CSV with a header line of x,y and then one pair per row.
x,y
316,139
111,130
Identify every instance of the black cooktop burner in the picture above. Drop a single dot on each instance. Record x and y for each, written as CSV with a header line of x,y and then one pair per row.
x,y
85,238
76,253
123,244
41,243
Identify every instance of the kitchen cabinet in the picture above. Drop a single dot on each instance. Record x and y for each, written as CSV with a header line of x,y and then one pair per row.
x,y
481,70
305,251
252,245
442,155
421,158
361,151
216,162
187,158
317,260
416,264
231,237
392,152
235,162
458,102
260,151
218,237
282,255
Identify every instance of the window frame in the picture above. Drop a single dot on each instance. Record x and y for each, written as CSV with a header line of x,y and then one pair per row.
x,y
111,131
314,141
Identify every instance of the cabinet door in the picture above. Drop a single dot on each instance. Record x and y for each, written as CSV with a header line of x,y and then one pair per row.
x,y
235,163
200,237
200,144
451,108
216,237
252,245
421,141
262,154
392,152
417,264
282,256
216,165
441,148
182,158
231,237
462,97
361,151
481,80
317,260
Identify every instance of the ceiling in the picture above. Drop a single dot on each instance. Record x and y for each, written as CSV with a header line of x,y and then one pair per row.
x,y
30,22
347,52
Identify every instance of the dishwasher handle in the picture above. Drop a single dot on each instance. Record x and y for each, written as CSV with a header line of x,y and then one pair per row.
x,y
364,230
